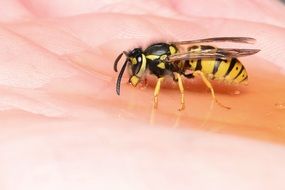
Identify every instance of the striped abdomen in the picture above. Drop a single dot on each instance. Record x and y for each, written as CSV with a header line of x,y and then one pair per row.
x,y
230,70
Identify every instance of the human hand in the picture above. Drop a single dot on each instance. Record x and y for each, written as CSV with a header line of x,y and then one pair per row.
x,y
63,126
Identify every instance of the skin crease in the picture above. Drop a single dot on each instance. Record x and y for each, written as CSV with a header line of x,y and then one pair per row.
x,y
63,126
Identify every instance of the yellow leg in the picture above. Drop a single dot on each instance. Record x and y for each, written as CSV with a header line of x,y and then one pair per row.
x,y
209,85
181,88
156,92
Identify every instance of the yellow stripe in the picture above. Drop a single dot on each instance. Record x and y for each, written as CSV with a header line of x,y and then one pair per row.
x,y
208,65
152,57
222,69
172,50
161,65
236,69
241,76
143,67
163,57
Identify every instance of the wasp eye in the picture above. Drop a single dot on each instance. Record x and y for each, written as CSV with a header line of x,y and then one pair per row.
x,y
135,68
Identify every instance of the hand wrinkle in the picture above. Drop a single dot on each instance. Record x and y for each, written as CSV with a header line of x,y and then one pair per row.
x,y
30,102
32,71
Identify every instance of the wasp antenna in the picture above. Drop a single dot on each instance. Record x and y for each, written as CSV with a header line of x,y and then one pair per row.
x,y
118,85
117,61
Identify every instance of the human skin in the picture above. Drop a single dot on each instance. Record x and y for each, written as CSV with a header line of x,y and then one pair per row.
x,y
64,127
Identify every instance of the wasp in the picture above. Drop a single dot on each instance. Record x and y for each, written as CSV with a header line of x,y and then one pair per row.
x,y
187,59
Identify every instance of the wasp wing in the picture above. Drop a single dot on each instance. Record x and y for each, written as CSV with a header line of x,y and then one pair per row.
x,y
212,53
217,39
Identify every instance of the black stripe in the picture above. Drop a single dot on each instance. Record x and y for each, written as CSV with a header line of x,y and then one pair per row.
x,y
217,65
198,65
242,68
232,64
244,79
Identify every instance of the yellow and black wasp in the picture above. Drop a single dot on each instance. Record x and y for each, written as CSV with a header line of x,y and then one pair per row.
x,y
188,59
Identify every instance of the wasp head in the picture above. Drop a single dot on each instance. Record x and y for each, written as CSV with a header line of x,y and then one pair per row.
x,y
137,65
136,62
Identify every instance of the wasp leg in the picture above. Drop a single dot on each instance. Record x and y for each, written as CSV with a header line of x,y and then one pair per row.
x,y
174,77
209,85
181,88
156,92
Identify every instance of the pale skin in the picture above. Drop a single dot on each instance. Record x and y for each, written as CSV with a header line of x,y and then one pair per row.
x,y
64,127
